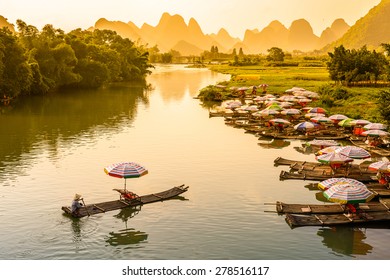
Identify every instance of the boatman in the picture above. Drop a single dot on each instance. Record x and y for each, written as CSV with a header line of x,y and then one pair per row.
x,y
76,205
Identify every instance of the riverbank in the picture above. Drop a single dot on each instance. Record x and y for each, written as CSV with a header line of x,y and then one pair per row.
x,y
355,102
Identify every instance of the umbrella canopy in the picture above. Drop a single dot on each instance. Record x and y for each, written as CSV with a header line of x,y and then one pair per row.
x,y
279,121
348,194
275,107
354,152
317,110
338,117
266,112
383,166
360,122
322,143
334,158
326,184
375,132
126,170
313,115
321,119
291,111
328,150
346,122
305,126
375,126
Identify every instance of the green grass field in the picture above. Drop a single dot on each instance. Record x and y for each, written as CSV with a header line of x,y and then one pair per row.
x,y
358,103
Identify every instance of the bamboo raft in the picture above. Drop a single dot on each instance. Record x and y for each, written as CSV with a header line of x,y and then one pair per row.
x,y
321,176
103,207
375,217
328,208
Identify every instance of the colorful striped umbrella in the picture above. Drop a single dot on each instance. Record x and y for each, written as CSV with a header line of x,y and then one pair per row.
x,y
374,132
375,126
317,110
326,184
323,143
321,119
354,152
279,121
360,122
126,170
348,194
338,117
346,122
333,158
291,111
328,150
381,165
305,126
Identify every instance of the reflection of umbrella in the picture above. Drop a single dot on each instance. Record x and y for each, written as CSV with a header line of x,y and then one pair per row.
x,y
126,170
328,183
305,126
348,194
275,144
375,132
354,152
345,240
374,126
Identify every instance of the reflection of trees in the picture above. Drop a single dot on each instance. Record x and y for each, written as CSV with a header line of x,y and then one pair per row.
x,y
128,235
345,240
65,117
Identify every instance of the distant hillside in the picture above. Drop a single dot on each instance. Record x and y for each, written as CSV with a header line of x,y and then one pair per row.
x,y
371,30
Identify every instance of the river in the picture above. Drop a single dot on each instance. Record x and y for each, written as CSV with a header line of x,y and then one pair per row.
x,y
56,146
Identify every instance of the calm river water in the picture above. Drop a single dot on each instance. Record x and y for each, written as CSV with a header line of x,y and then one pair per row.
x,y
54,147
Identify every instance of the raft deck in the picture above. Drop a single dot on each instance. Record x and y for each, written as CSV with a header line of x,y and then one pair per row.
x,y
297,220
103,207
320,176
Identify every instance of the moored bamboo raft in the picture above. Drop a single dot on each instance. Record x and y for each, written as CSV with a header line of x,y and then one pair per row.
x,y
298,220
320,176
328,208
103,207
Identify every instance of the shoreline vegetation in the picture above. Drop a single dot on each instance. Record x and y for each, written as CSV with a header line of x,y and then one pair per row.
x,y
360,101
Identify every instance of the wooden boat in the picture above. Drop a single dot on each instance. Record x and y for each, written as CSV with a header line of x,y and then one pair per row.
x,y
326,208
306,137
320,176
363,218
103,207
372,149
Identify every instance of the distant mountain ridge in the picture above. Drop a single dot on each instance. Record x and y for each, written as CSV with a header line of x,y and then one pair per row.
x,y
371,30
172,32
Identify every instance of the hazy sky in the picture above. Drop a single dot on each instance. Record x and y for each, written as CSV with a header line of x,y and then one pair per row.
x,y
234,15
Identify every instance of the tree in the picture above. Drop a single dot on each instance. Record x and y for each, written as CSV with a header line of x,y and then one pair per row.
x,y
384,104
275,54
240,52
15,73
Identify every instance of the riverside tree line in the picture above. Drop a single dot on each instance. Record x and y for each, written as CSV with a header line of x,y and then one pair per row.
x,y
34,62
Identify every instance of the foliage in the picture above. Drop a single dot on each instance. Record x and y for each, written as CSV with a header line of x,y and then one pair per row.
x,y
275,54
38,62
354,66
384,104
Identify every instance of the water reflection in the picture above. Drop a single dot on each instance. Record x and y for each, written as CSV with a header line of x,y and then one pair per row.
x,y
126,236
275,144
50,122
345,240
